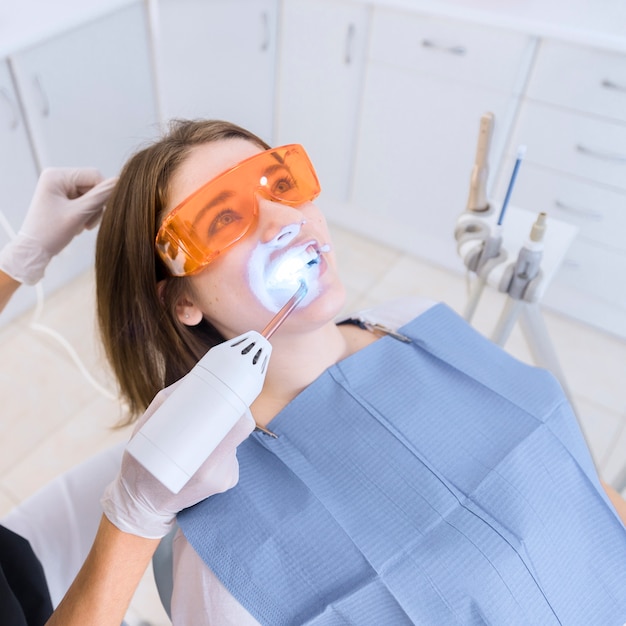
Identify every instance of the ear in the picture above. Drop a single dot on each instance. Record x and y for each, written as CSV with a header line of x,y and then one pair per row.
x,y
187,312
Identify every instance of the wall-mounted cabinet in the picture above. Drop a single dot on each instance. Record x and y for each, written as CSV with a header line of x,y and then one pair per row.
x,y
428,82
216,59
322,66
17,164
84,97
573,120
88,93
19,175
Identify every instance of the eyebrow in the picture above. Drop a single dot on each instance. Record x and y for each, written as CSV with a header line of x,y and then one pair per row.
x,y
225,195
278,166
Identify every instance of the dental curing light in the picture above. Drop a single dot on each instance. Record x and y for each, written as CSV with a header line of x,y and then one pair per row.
x,y
183,432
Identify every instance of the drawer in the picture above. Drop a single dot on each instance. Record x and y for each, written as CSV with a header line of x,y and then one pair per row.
x,y
579,78
596,271
494,58
571,143
598,212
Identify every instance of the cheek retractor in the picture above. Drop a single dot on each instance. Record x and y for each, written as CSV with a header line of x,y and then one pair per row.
x,y
183,432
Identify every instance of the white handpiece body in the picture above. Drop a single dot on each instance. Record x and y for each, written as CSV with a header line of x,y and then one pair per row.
x,y
183,432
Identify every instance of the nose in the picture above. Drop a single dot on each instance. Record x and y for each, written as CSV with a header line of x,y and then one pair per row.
x,y
280,224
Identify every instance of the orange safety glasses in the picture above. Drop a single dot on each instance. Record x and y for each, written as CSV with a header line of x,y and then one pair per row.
x,y
222,211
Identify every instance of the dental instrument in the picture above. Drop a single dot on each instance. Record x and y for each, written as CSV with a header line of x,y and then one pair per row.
x,y
210,399
520,279
471,231
477,201
479,245
528,262
281,316
521,152
484,249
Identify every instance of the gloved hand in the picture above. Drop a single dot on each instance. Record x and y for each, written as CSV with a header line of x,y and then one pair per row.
x,y
66,200
137,503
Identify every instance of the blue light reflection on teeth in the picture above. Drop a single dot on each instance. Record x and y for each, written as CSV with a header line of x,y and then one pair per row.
x,y
294,268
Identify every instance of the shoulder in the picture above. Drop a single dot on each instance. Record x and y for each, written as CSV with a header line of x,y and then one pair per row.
x,y
392,314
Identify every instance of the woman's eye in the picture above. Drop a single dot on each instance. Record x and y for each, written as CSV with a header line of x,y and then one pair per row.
x,y
283,185
223,219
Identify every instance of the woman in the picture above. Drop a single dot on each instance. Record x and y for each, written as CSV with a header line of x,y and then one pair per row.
x,y
425,477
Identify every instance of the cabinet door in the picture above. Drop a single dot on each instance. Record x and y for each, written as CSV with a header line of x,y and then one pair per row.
x,y
18,173
217,59
88,93
18,176
322,59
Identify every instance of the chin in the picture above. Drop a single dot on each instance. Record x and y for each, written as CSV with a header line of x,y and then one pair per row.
x,y
326,305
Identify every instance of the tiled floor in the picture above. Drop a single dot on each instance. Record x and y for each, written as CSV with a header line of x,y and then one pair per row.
x,y
53,418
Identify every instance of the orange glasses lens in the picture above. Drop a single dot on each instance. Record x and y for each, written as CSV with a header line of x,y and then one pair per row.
x,y
221,212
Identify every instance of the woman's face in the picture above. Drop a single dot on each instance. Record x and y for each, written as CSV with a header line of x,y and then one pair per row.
x,y
246,285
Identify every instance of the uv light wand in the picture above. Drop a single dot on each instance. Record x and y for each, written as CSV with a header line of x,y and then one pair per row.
x,y
183,432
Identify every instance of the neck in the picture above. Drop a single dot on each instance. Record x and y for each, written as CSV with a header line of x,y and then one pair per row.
x,y
298,359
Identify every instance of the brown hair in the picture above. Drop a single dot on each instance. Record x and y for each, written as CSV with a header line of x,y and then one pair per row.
x,y
145,343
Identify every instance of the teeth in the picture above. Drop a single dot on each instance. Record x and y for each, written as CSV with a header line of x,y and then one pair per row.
x,y
310,255
294,264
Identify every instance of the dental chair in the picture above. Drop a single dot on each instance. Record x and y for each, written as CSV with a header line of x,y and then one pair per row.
x,y
60,520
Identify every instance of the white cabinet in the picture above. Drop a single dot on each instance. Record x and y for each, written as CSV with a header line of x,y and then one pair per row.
x,y
428,82
322,62
18,175
582,79
17,165
88,92
573,121
217,60
88,99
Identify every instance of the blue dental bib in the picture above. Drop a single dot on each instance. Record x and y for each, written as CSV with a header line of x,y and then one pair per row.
x,y
435,482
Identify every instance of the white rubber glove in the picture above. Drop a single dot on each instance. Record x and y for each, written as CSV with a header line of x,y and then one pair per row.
x,y
66,200
137,503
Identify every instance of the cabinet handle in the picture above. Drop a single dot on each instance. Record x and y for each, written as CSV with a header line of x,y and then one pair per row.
x,y
599,154
265,26
456,50
349,44
15,119
45,103
609,84
589,214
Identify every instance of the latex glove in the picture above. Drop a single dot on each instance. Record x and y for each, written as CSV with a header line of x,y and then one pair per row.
x,y
66,200
137,503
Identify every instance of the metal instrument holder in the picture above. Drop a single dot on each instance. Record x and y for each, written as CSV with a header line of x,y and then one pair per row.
x,y
489,247
473,235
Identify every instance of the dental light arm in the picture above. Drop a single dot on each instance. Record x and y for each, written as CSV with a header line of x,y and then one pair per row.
x,y
207,403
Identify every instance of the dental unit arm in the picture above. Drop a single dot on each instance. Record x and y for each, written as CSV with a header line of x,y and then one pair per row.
x,y
208,402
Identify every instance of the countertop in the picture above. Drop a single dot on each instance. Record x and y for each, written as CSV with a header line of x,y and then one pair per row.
x,y
598,23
